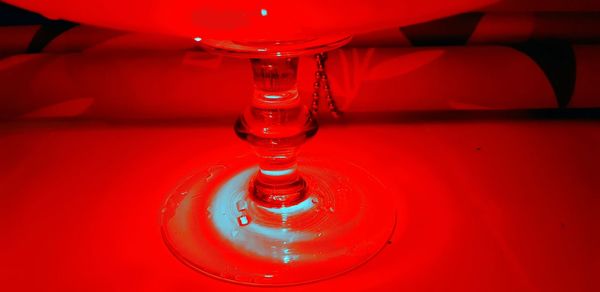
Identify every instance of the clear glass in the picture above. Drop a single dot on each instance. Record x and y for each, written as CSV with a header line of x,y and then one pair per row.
x,y
249,20
274,219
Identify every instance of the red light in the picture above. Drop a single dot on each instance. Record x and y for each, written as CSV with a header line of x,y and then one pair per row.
x,y
250,20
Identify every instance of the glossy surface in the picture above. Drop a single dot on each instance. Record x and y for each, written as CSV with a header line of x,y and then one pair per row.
x,y
489,205
250,20
213,225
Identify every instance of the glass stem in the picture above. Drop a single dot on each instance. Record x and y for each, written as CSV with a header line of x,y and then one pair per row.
x,y
276,124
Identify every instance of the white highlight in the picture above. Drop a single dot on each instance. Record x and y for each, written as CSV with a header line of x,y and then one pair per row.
x,y
277,172
305,205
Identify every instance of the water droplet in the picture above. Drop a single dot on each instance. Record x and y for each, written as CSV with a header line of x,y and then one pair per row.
x,y
315,200
331,209
243,220
163,210
210,174
234,233
184,193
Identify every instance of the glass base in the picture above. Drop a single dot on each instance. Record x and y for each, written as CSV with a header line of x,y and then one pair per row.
x,y
212,224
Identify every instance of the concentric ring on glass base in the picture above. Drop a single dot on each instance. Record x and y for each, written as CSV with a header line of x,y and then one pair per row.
x,y
211,225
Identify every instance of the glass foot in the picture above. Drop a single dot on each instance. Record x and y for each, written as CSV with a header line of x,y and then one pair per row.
x,y
212,224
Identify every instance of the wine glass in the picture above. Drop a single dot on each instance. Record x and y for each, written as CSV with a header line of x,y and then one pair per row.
x,y
276,219
282,220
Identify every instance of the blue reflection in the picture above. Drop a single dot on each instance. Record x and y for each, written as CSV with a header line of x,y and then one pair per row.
x,y
256,238
277,172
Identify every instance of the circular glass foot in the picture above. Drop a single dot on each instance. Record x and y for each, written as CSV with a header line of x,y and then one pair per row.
x,y
213,225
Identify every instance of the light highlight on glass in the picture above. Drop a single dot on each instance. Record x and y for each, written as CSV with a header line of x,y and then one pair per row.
x,y
277,172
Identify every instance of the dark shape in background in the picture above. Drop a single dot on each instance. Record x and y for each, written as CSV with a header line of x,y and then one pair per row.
x,y
49,29
11,16
557,61
47,33
450,31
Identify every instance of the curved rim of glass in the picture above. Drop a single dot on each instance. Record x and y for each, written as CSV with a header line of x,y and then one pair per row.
x,y
259,49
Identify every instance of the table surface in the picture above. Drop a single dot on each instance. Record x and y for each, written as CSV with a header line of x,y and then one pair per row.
x,y
483,205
